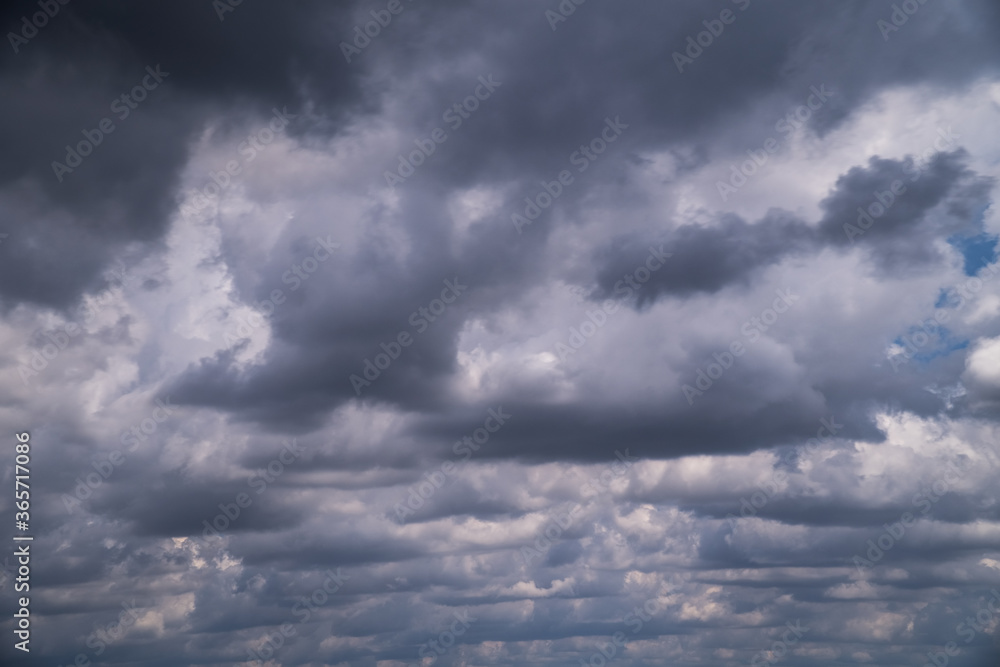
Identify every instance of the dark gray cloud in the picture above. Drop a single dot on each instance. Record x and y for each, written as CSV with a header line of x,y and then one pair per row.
x,y
706,259
73,74
726,444
903,210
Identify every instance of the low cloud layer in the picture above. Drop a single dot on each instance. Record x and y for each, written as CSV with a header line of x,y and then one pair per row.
x,y
468,333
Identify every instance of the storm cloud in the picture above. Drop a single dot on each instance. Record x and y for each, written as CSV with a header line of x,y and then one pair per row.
x,y
385,333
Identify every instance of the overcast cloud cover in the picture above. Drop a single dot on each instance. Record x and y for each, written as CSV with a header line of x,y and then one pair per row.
x,y
530,332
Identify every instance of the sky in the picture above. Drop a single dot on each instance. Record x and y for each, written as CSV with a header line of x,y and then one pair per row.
x,y
463,333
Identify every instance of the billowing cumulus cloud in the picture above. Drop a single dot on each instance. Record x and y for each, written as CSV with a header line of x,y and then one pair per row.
x,y
502,333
